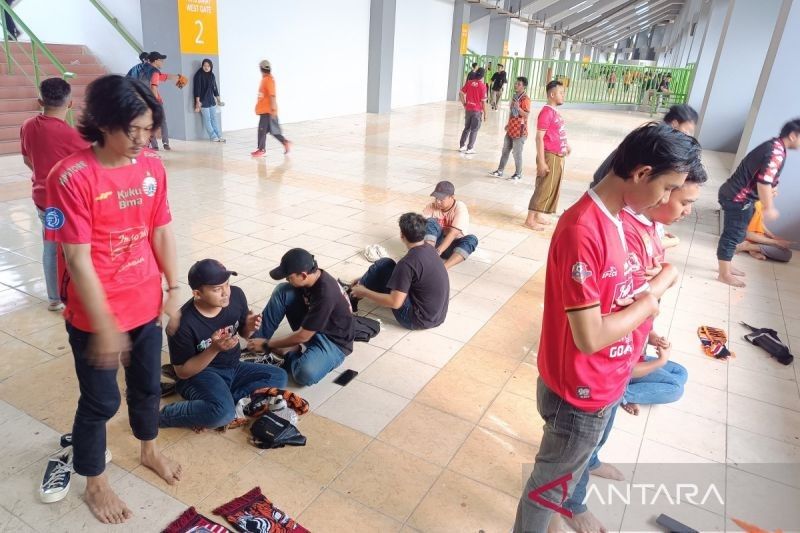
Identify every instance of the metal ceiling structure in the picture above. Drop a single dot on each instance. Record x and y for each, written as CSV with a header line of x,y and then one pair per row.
x,y
594,22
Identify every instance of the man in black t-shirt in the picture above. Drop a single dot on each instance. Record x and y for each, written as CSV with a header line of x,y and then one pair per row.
x,y
205,351
416,288
498,80
318,312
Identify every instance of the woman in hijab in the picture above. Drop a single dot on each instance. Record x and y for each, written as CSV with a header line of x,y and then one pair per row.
x,y
206,99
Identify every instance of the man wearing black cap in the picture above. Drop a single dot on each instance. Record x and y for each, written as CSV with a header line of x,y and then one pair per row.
x,y
205,352
448,225
416,288
156,59
318,312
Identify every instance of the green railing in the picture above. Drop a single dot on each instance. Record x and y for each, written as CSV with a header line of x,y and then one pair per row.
x,y
118,26
37,47
591,82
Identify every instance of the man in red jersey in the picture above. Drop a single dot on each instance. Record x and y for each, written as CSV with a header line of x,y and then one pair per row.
x,y
473,98
586,348
108,210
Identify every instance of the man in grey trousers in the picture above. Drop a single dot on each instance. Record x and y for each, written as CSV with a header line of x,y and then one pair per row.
x,y
473,98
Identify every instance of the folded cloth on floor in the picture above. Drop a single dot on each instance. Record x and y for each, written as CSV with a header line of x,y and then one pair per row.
x,y
714,341
253,512
192,521
366,328
373,252
768,340
260,398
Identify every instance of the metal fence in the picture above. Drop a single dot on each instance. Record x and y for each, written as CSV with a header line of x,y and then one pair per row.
x,y
592,83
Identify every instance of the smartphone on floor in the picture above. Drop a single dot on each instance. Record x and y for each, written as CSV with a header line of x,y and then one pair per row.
x,y
345,377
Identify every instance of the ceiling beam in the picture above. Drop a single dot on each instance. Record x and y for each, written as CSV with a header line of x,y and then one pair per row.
x,y
627,18
597,11
624,33
568,9
610,13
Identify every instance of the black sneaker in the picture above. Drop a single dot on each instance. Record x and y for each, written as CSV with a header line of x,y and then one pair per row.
x,y
168,371
66,442
515,177
55,483
166,147
167,389
262,358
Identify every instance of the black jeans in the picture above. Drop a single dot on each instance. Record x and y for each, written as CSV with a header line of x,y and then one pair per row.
x,y
266,124
100,398
472,123
734,230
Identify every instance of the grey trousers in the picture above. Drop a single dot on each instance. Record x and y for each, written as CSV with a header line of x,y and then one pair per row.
x,y
164,134
512,145
472,123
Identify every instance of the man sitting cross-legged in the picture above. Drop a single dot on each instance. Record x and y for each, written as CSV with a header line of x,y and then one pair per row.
x,y
205,352
448,225
416,288
318,312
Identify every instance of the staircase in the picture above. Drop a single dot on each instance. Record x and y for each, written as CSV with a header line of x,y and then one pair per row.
x,y
18,91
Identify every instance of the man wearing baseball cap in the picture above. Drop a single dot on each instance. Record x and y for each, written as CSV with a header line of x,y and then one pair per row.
x,y
448,225
205,352
156,59
318,312
267,111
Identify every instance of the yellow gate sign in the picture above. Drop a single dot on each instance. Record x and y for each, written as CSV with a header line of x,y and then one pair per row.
x,y
464,38
197,20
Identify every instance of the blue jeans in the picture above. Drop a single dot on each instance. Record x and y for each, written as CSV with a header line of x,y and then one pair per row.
x,y
50,263
575,502
211,122
463,246
735,221
664,385
570,437
321,354
212,394
376,278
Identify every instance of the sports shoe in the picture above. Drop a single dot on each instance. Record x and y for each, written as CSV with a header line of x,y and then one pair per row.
x,y
258,153
496,174
515,177
470,151
373,252
55,306
462,149
262,358
66,442
168,371
55,483
166,147
287,147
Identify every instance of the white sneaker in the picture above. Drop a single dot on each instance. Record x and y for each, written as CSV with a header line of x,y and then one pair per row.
x,y
55,306
470,151
515,177
55,484
496,174
462,149
373,252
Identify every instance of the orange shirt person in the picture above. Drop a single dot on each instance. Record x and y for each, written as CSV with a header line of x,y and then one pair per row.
x,y
267,111
761,243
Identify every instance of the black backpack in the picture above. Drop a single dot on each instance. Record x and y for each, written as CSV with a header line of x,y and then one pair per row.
x,y
365,328
769,341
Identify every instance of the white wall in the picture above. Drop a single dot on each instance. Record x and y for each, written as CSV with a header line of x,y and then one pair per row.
x,y
318,53
78,22
538,44
479,35
421,51
517,38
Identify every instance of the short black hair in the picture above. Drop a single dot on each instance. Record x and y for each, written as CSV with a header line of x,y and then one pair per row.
x,y
793,126
412,227
473,75
143,56
113,102
659,146
500,65
697,173
523,80
480,73
474,65
682,113
55,92
552,85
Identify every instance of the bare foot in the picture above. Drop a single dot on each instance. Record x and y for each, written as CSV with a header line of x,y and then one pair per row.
x,y
608,471
731,280
736,272
169,470
585,522
556,524
632,408
104,502
543,221
757,255
535,226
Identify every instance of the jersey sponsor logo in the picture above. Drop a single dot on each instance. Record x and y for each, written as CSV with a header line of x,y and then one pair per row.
x,y
123,241
229,331
103,196
610,273
583,392
622,348
623,290
130,197
65,176
580,272
53,218
149,185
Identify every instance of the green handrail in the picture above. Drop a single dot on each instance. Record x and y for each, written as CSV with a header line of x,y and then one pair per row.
x,y
118,26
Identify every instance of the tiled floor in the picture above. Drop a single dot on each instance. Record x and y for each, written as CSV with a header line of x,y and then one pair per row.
x,y
439,426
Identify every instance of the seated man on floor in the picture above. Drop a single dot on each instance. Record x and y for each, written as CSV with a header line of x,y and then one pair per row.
x,y
760,242
318,312
416,288
448,225
204,351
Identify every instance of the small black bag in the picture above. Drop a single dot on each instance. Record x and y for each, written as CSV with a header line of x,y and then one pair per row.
x,y
769,341
366,328
272,431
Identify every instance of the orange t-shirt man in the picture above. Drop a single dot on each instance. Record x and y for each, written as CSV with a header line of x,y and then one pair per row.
x,y
266,92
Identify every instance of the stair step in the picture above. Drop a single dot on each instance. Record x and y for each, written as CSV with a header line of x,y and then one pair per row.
x,y
51,70
16,118
9,133
29,91
55,47
20,80
9,147
23,58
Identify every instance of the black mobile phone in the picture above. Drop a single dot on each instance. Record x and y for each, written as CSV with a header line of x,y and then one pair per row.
x,y
345,377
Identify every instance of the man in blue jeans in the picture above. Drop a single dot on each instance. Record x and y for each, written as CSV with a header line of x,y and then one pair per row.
x,y
448,225
318,312
205,352
416,288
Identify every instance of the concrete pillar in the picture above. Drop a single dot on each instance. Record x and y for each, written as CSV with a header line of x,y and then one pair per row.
x,y
498,34
708,51
775,102
566,44
732,82
381,55
454,81
699,32
161,31
534,46
549,40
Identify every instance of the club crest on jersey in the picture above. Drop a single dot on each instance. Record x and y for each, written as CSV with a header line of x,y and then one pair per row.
x,y
580,272
53,218
610,273
633,263
149,185
623,290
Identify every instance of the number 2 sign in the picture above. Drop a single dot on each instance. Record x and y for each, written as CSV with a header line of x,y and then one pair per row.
x,y
197,20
